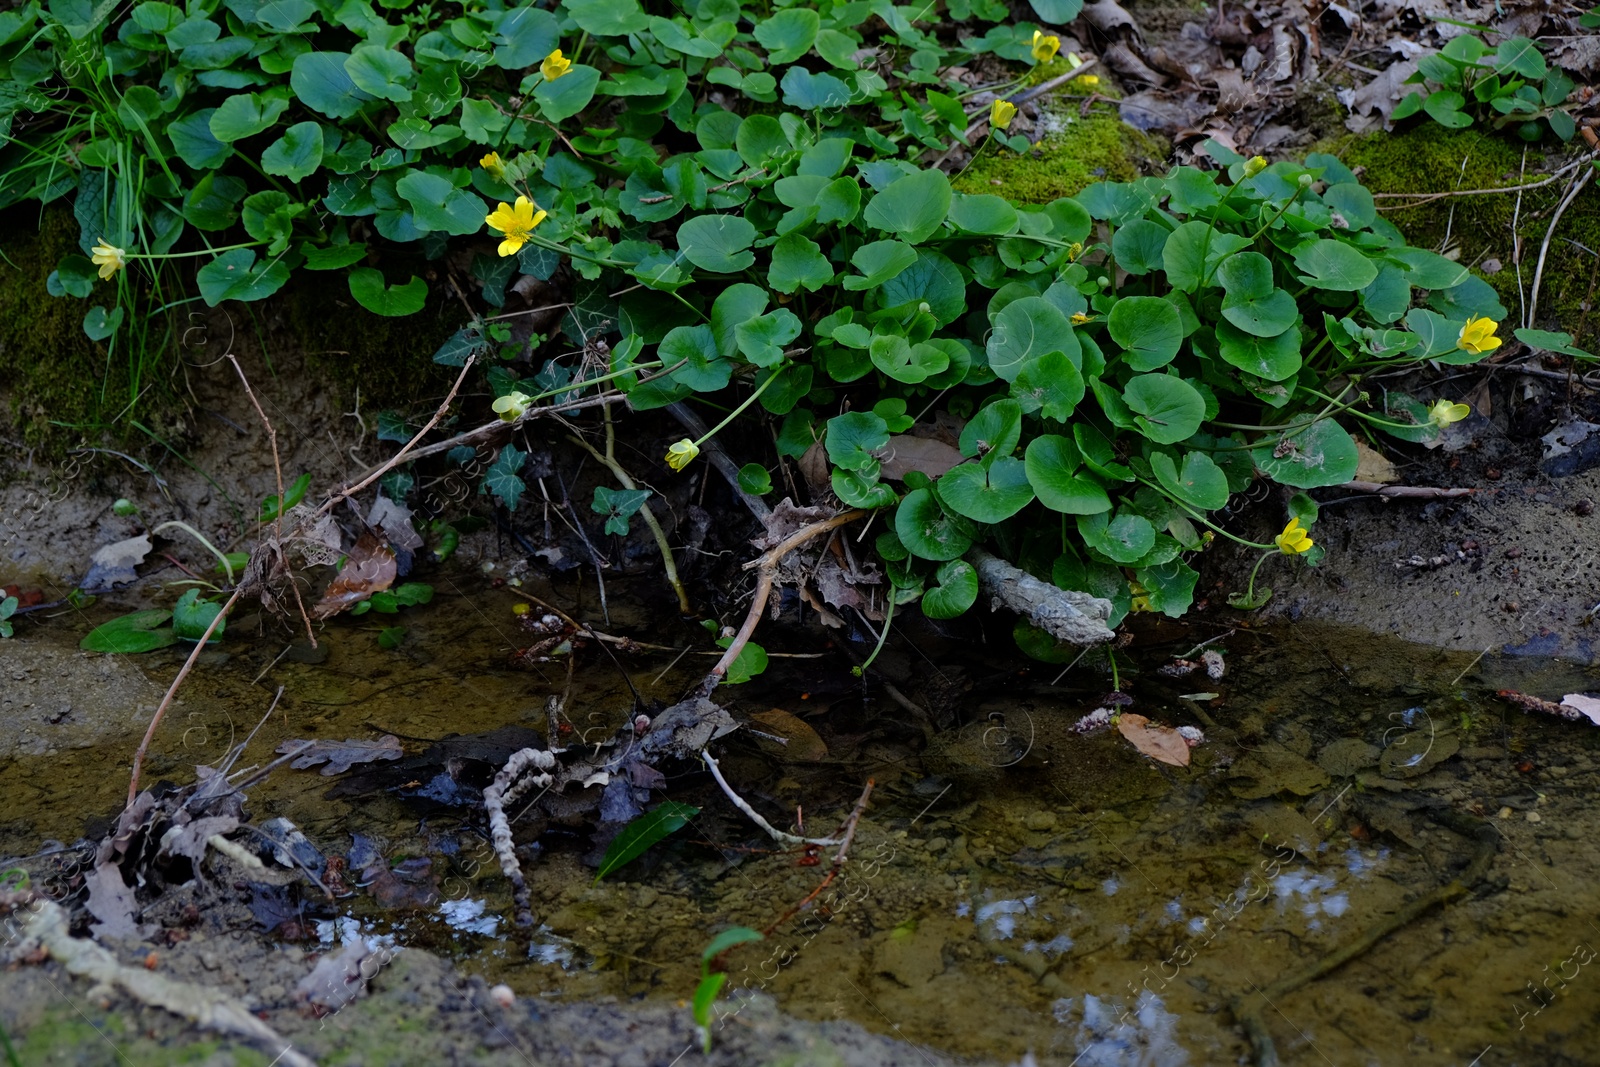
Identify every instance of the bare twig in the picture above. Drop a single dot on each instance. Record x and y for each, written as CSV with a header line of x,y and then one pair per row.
x,y
847,834
767,570
755,816
1424,198
395,459
172,691
1416,492
1544,249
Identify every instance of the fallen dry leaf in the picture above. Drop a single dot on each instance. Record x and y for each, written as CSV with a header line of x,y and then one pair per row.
x,y
371,569
1158,742
926,454
113,565
1373,466
804,745
340,755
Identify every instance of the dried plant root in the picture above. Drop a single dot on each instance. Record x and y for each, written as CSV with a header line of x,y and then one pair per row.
x,y
508,785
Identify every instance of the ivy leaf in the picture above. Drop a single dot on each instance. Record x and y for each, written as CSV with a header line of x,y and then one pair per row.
x,y
367,286
618,505
913,208
502,478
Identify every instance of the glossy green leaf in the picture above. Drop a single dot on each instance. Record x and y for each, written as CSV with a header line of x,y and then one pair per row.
x,y
1199,482
567,95
1168,409
956,591
796,262
297,154
649,829
987,492
1025,329
1327,264
912,208
1273,358
368,287
1052,462
236,275
788,34
703,368
245,115
322,84
1049,385
718,243
1124,538
382,72
1322,454
761,340
131,633
983,214
1149,328
191,616
927,531
1139,245
853,438
904,361
1194,251
878,262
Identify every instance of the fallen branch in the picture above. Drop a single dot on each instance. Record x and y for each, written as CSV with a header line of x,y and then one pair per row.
x,y
1416,492
848,834
209,1007
1065,614
508,785
754,816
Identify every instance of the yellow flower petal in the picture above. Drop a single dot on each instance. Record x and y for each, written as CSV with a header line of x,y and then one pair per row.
x,y
1045,48
109,258
512,406
1294,540
554,66
681,454
1001,114
516,222
1477,336
1443,413
1079,318
493,164
1254,165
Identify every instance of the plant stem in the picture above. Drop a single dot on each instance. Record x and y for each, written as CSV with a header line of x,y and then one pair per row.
x,y
888,620
735,413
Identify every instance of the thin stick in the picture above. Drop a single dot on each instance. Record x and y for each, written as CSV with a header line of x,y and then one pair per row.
x,y
172,691
277,467
755,817
848,831
1423,492
1544,249
768,569
395,459
1423,198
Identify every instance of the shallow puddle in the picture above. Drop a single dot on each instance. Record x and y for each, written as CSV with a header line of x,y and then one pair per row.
x,y
1014,888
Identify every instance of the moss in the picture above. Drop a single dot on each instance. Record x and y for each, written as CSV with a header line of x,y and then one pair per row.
x,y
1429,158
48,368
390,359
1100,147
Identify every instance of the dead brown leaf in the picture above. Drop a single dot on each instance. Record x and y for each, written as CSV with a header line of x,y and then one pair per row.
x,y
1161,743
1373,466
805,746
926,454
340,755
371,569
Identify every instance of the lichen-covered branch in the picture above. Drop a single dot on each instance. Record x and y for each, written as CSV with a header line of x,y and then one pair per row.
x,y
1065,614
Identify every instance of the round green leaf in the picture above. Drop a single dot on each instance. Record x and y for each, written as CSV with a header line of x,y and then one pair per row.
x,y
236,275
1050,385
1273,358
1266,316
1025,329
931,280
761,339
245,115
193,141
812,92
704,370
1051,462
1138,245
1124,539
1149,328
1200,482
983,213
859,491
1168,409
925,529
717,243
994,431
1334,265
1195,251
755,479
367,286
383,72
567,95
904,361
878,262
788,35
797,261
912,208
98,325
608,18
1322,454
1248,274
987,492
320,81
297,154
853,438
956,592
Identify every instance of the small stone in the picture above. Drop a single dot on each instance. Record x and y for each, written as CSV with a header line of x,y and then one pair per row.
x,y
1504,813
1534,816
937,844
647,897
503,995
1040,820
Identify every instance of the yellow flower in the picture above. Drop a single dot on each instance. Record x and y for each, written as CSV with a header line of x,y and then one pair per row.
x,y
512,406
1079,318
1086,81
516,223
1477,336
494,165
554,66
1074,250
1045,48
681,454
1254,165
1443,413
1294,539
1001,114
109,258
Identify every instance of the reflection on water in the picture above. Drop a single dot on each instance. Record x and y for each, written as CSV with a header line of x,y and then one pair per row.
x,y
1055,896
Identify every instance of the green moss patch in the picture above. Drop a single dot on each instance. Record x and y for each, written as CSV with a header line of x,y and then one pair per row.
x,y
1099,147
1478,229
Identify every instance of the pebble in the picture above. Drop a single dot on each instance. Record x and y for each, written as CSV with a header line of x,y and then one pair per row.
x,y
1504,813
647,896
1534,816
938,844
1040,820
503,995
